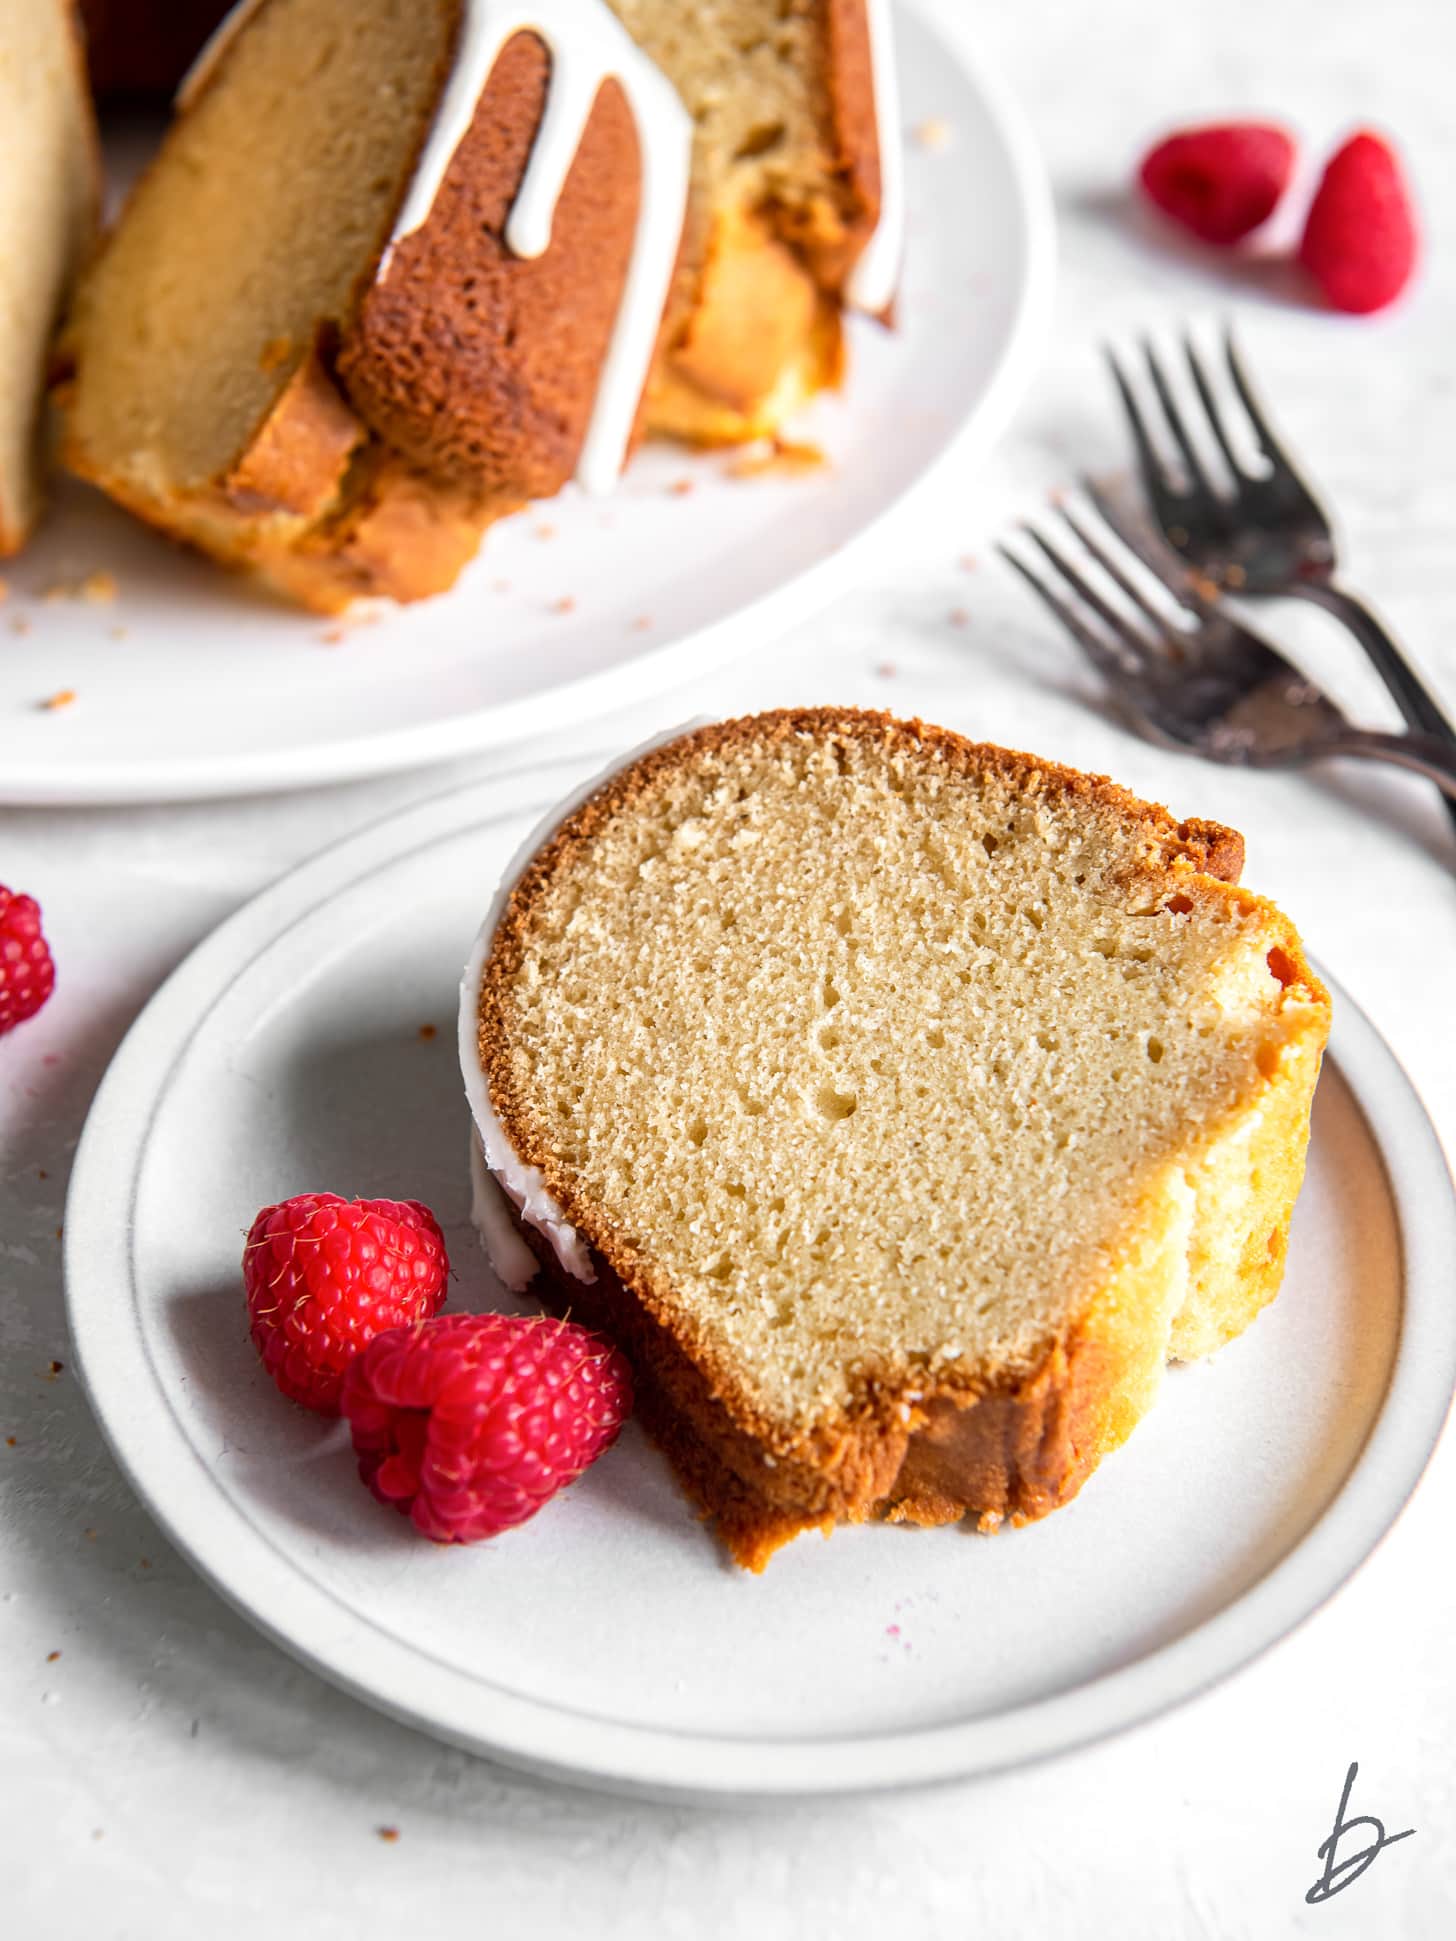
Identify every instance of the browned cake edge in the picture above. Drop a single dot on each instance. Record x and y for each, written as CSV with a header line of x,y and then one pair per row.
x,y
994,1444
854,135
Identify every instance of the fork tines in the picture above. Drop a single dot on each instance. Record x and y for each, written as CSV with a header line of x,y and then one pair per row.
x,y
1195,494
1127,648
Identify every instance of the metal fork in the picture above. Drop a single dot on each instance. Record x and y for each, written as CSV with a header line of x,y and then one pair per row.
x,y
1209,684
1272,536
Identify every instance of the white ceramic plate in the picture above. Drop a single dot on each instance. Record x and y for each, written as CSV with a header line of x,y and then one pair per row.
x,y
608,1641
190,684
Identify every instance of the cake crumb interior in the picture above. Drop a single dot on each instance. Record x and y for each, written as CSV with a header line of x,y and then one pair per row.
x,y
870,1057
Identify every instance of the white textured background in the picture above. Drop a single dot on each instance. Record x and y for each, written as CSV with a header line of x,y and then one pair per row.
x,y
173,1774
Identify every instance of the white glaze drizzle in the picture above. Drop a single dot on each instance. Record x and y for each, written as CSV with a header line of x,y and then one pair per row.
x,y
872,281
524,1185
213,48
511,1260
588,45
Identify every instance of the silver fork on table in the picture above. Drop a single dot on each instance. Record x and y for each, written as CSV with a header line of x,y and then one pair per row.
x,y
1267,533
1204,681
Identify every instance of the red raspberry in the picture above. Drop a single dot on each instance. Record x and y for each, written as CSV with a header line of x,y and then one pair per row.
x,y
469,1423
1221,181
325,1275
1360,242
27,975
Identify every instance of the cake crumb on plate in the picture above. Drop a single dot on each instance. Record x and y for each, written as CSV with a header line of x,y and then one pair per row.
x,y
782,456
935,133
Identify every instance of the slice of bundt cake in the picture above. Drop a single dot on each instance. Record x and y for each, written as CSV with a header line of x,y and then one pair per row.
x,y
401,267
48,194
900,1104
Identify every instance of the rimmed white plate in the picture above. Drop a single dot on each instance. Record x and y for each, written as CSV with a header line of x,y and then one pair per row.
x,y
189,684
607,1641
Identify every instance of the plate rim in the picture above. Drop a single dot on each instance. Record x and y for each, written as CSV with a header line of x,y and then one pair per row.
x,y
702,650
651,1761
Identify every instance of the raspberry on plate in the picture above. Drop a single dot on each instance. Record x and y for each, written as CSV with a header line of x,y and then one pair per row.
x,y
1221,181
1360,243
325,1275
27,973
468,1423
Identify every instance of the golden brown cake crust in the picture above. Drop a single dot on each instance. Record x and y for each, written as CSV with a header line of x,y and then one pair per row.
x,y
997,1444
479,366
296,460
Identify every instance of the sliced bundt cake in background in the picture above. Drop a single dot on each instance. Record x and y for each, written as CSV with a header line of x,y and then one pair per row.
x,y
48,197
401,267
900,1104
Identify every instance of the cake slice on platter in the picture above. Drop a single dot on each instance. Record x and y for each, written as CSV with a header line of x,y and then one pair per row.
x,y
403,267
900,1104
48,197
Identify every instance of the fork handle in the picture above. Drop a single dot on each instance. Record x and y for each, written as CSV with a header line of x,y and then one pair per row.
x,y
1407,689
1423,754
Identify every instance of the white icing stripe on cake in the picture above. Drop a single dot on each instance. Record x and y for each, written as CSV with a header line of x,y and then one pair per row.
x,y
872,281
524,1185
511,1260
213,48
588,45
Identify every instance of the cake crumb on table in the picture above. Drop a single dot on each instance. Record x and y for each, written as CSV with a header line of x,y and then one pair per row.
x,y
566,604
387,1833
427,1031
62,698
680,488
